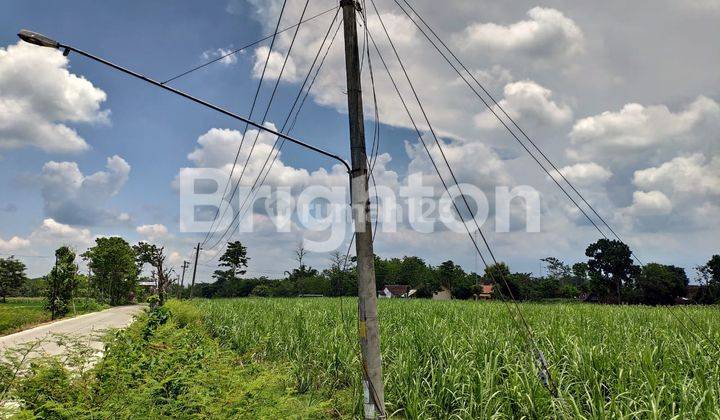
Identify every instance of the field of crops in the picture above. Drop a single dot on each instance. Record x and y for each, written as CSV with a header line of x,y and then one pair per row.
x,y
467,359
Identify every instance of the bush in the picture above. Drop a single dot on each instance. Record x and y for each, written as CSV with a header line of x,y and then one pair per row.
x,y
183,313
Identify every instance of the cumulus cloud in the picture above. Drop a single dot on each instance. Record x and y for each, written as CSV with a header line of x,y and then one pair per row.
x,y
74,198
153,232
227,58
586,174
13,244
39,97
548,33
218,146
274,66
50,233
527,101
685,174
650,203
637,129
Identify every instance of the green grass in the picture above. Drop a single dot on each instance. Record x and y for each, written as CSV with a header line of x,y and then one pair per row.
x,y
468,360
163,367
21,313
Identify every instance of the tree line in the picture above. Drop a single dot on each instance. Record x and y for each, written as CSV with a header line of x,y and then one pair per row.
x,y
610,275
115,268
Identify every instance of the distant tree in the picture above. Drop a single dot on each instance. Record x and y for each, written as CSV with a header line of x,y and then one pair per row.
x,y
155,256
660,284
12,276
113,269
580,275
506,285
61,282
235,261
709,274
261,290
449,274
612,261
338,273
557,269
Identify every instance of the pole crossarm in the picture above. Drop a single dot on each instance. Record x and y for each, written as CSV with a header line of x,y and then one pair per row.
x,y
41,40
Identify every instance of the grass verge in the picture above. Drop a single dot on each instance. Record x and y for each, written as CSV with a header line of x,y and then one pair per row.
x,y
166,365
18,314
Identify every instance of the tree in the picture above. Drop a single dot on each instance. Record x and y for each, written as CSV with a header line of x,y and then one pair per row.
x,y
612,261
660,284
710,275
12,276
113,269
449,274
61,282
558,269
499,274
155,256
235,260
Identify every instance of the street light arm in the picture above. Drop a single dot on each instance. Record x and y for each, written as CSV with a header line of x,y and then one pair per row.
x,y
43,41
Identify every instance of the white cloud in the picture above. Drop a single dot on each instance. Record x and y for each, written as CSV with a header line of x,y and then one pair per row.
x,y
227,58
650,203
637,129
74,198
274,66
548,33
13,244
53,232
586,174
152,232
685,174
39,96
527,100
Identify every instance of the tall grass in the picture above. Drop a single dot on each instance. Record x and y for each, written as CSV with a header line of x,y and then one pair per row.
x,y
465,359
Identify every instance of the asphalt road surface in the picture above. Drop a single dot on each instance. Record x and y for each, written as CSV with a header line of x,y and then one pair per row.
x,y
87,328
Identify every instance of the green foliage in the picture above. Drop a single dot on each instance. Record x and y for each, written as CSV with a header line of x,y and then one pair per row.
x,y
20,313
166,370
660,284
12,276
62,281
611,261
154,255
235,261
112,262
709,274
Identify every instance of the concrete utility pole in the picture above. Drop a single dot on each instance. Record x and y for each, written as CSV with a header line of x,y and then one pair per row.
x,y
197,254
182,278
367,294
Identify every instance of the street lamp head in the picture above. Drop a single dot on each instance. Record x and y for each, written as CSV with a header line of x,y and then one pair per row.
x,y
37,39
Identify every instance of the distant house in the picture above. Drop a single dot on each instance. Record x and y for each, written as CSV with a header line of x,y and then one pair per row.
x,y
485,292
395,291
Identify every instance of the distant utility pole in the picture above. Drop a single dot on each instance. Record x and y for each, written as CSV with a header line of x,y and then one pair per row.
x,y
367,294
182,278
197,254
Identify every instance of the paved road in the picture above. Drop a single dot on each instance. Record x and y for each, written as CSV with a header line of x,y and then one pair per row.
x,y
88,328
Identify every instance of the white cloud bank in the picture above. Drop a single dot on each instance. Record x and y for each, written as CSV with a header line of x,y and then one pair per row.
x,y
548,33
39,97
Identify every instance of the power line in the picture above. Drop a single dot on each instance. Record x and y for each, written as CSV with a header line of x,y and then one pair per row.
x,y
540,358
267,111
255,187
539,150
235,51
210,232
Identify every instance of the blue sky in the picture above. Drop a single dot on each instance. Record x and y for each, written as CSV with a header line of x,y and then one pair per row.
x,y
614,96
